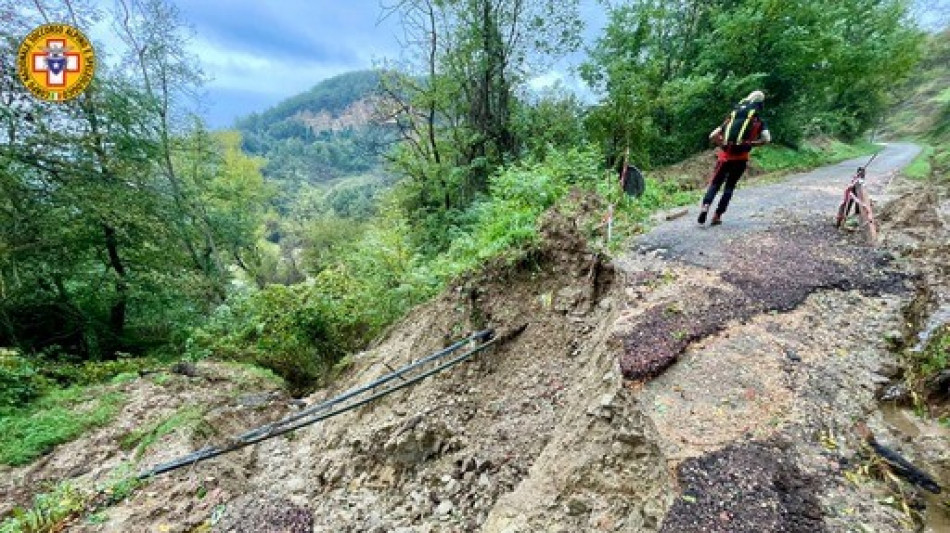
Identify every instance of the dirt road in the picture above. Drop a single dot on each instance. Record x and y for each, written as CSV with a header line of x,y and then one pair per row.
x,y
810,196
760,346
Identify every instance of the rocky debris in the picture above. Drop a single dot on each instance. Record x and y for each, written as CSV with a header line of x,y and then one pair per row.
x,y
258,399
749,487
261,513
602,470
774,270
185,368
410,443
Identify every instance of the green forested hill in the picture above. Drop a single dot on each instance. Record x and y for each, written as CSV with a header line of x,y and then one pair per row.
x,y
334,95
319,136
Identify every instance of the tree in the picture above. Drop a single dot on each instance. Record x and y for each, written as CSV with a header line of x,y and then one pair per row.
x,y
669,71
107,241
455,105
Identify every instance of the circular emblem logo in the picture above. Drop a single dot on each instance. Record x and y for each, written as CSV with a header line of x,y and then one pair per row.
x,y
56,62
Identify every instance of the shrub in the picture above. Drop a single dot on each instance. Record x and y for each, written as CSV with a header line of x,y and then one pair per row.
x,y
49,512
284,329
94,372
19,381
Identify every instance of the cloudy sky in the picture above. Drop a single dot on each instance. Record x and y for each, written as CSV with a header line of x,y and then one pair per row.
x,y
258,52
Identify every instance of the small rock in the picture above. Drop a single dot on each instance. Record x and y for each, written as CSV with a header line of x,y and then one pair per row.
x,y
452,487
470,464
896,392
444,508
894,338
576,506
185,368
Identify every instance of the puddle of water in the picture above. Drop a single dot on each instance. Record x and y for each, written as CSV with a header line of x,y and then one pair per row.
x,y
937,515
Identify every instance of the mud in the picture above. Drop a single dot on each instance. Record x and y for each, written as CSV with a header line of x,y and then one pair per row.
x,y
773,270
745,488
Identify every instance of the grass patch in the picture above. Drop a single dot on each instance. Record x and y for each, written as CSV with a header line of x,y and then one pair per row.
x,y
55,418
777,158
920,168
252,376
64,502
922,367
49,512
67,374
184,419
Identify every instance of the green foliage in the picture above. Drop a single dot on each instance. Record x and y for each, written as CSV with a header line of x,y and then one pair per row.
x,y
920,168
506,222
289,330
120,238
936,355
925,365
776,158
87,373
671,71
19,381
457,110
57,417
374,281
185,419
49,511
550,120
325,238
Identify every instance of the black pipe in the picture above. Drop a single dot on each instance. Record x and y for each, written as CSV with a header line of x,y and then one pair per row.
x,y
274,430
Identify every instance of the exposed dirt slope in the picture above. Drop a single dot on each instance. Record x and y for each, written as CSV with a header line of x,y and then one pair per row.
x,y
765,340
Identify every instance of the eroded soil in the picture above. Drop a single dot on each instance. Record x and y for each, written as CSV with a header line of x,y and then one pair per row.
x,y
757,345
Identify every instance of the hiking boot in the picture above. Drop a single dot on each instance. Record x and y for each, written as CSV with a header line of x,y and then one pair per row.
x,y
717,220
702,214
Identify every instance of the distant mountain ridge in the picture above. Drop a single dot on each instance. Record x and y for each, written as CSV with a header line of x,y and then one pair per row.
x,y
321,135
333,96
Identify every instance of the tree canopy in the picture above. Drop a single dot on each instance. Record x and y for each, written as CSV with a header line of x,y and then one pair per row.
x,y
669,71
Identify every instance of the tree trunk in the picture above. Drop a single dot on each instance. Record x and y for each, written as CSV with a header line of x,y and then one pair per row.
x,y
118,311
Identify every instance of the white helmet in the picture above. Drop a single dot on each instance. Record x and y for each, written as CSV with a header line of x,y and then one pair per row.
x,y
754,96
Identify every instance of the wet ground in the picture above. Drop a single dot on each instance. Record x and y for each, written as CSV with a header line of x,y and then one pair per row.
x,y
760,347
812,196
747,488
774,270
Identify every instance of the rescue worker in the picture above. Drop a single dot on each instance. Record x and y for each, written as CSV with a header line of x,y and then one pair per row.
x,y
742,129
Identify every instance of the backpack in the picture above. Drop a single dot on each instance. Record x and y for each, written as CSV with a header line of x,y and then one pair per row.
x,y
740,127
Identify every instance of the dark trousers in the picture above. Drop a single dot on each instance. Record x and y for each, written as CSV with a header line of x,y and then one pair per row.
x,y
727,172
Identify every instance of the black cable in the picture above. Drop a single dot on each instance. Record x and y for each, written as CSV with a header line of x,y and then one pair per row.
x,y
280,428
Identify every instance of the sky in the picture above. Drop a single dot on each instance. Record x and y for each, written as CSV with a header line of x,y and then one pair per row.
x,y
259,52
